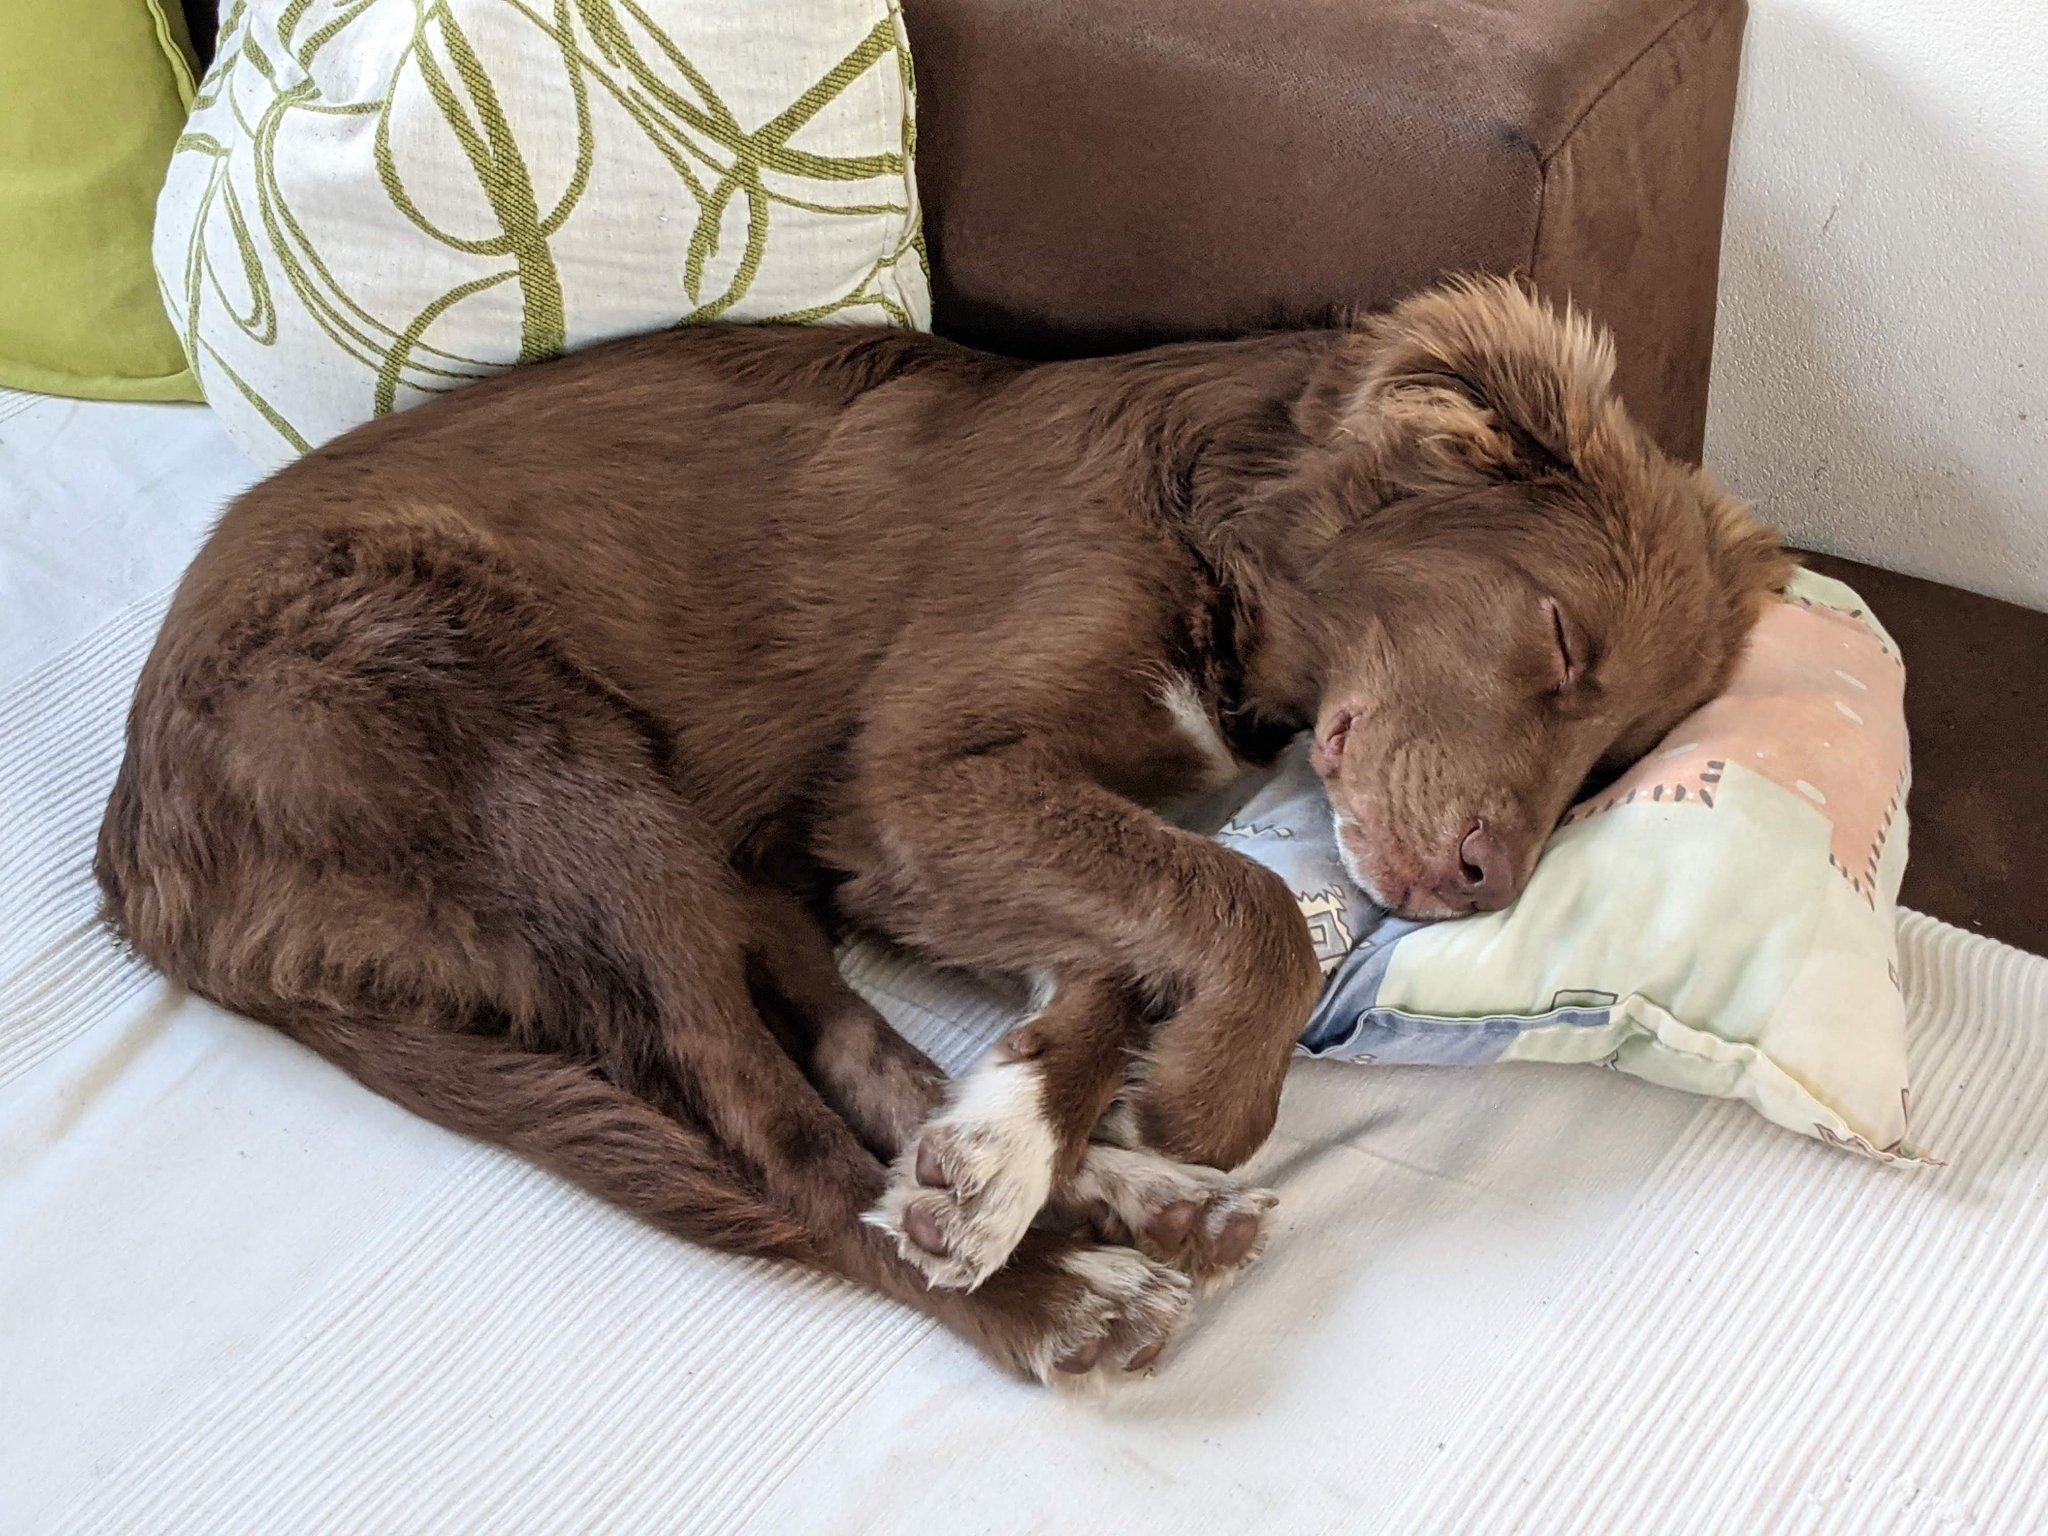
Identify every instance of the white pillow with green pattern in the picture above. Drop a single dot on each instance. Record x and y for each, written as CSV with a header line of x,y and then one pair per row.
x,y
377,201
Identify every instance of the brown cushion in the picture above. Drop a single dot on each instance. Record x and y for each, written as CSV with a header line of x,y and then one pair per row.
x,y
1101,176
1976,690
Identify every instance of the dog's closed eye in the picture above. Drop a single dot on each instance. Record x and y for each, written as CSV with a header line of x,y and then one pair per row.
x,y
1571,650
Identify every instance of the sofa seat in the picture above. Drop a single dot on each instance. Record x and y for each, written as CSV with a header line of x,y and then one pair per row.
x,y
1977,707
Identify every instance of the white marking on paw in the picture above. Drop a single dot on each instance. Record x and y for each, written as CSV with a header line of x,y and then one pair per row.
x,y
1133,1185
1129,1302
998,1151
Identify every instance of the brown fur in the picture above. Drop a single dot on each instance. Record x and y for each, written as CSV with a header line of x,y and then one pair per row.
x,y
502,751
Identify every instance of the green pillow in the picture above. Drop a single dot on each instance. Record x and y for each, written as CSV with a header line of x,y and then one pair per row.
x,y
93,94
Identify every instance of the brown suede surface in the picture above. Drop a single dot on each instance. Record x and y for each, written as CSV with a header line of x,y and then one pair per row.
x,y
1101,176
1631,223
1976,699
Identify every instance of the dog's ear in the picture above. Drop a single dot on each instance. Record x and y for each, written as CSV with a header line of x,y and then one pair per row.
x,y
1471,382
1749,560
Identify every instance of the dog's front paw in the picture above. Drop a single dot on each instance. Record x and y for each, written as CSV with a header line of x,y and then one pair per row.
x,y
1207,1224
966,1189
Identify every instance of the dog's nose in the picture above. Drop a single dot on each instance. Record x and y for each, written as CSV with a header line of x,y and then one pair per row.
x,y
1482,877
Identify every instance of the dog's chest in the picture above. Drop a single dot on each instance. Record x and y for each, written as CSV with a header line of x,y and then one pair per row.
x,y
1195,737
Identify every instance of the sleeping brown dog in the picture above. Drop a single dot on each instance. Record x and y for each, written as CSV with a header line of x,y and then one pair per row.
x,y
521,752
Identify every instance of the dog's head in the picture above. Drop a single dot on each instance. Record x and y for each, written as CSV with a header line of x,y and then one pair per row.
x,y
1513,589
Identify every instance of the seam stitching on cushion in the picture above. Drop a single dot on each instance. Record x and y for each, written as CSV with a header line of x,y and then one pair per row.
x,y
180,62
1565,139
1544,159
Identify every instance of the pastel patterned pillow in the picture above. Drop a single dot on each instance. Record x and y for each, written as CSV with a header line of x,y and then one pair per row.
x,y
1721,919
379,200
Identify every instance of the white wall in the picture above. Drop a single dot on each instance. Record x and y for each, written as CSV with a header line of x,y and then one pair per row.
x,y
1881,366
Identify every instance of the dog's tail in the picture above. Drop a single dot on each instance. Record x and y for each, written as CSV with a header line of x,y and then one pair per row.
x,y
561,1115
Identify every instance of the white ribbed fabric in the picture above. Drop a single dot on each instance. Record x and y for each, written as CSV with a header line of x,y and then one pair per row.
x,y
62,742
1780,1344
531,1360
238,1293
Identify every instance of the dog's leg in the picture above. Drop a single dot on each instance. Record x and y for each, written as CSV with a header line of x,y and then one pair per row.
x,y
1063,1309
1204,1223
675,920
1015,1137
881,1084
1059,1307
965,1191
1207,1224
985,1165
995,859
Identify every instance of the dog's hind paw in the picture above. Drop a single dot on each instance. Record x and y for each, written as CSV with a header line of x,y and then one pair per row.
x,y
1076,1314
966,1189
1209,1225
1123,1311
